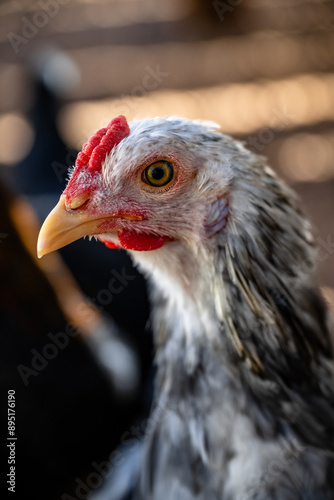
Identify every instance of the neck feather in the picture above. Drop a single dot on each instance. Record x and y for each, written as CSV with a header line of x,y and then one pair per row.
x,y
267,334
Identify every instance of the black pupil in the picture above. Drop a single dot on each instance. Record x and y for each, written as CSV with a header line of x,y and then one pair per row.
x,y
158,173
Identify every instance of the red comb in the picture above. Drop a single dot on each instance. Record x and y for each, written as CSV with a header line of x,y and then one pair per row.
x,y
94,152
102,142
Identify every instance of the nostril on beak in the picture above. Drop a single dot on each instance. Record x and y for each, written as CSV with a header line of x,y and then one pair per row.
x,y
78,202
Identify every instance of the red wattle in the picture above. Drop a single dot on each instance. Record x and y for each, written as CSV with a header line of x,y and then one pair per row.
x,y
110,244
140,241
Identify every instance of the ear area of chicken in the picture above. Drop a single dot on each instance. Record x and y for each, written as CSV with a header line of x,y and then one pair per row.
x,y
216,216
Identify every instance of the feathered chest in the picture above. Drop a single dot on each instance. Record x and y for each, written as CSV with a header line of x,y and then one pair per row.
x,y
220,428
208,440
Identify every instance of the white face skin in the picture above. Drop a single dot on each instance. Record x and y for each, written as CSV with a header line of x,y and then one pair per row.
x,y
218,190
213,179
182,208
116,203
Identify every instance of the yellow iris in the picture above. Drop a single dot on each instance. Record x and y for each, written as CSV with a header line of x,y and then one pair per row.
x,y
158,174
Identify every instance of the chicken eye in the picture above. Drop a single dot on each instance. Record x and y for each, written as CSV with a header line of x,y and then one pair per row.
x,y
158,174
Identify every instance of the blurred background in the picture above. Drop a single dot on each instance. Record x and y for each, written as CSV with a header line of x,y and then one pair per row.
x,y
75,346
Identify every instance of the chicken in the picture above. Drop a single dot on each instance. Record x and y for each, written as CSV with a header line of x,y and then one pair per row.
x,y
244,389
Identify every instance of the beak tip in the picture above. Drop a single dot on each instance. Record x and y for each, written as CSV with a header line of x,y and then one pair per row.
x,y
45,243
40,248
61,228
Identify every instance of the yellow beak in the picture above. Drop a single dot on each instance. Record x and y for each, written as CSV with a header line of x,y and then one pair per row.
x,y
62,227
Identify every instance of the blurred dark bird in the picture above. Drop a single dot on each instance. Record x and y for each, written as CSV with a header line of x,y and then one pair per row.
x,y
72,383
244,389
41,177
43,172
